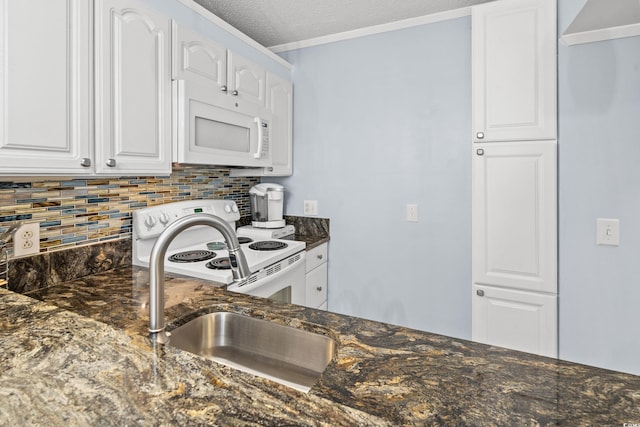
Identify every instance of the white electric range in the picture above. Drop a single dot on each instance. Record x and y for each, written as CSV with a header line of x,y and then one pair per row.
x,y
277,266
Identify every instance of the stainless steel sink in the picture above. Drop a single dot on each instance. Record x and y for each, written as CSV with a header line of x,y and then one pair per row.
x,y
287,355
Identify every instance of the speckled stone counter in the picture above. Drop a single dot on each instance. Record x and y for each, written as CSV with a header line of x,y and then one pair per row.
x,y
92,364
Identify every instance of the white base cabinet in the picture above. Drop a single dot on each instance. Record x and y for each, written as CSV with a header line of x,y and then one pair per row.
x,y
316,279
520,320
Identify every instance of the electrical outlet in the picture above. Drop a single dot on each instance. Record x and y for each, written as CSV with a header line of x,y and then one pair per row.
x,y
311,207
26,240
412,213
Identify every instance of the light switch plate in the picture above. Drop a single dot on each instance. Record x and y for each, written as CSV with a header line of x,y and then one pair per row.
x,y
608,232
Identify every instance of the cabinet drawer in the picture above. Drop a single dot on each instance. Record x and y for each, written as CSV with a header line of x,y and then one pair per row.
x,y
316,292
316,256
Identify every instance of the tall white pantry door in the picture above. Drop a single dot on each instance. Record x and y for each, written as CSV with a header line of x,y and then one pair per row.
x,y
515,245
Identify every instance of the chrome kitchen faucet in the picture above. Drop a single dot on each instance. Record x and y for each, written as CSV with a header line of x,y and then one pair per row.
x,y
239,266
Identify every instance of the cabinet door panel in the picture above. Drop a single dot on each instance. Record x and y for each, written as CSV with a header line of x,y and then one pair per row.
x,y
247,78
198,59
514,70
45,113
280,103
514,216
513,319
133,99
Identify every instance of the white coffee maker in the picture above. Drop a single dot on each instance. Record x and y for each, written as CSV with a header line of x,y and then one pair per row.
x,y
267,202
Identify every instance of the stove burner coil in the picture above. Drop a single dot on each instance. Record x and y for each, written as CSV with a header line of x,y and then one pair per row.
x,y
192,256
219,264
267,245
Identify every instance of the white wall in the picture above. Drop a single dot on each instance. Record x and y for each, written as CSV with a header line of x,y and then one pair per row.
x,y
599,177
379,122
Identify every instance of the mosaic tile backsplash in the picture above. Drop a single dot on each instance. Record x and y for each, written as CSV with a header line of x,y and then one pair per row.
x,y
77,212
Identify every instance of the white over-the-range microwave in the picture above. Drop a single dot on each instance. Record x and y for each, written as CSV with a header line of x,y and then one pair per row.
x,y
214,128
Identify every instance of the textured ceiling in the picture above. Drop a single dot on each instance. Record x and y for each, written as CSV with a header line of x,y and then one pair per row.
x,y
276,22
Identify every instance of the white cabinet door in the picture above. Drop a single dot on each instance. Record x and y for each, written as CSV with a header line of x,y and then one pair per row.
x,y
280,103
247,81
198,59
514,70
45,110
133,88
515,319
514,215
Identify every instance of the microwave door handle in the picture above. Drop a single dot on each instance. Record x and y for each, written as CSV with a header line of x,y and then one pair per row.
x,y
258,152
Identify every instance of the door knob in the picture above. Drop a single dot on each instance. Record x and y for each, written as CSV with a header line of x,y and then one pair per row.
x,y
86,162
234,93
480,292
223,88
319,288
480,135
111,163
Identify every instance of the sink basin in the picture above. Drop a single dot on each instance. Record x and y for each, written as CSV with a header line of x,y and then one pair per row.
x,y
290,356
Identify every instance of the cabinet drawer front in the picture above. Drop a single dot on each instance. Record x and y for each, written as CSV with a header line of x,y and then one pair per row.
x,y
316,292
316,256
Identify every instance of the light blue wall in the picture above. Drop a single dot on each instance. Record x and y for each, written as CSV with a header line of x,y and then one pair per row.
x,y
187,16
599,177
380,122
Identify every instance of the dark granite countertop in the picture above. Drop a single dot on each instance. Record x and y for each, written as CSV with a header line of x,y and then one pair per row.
x,y
312,242
81,357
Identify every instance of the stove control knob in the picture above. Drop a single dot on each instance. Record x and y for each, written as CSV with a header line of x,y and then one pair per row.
x,y
164,218
234,208
227,208
150,221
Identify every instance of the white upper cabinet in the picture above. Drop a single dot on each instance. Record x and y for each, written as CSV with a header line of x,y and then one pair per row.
x,y
45,92
514,70
198,59
53,121
201,60
236,84
246,80
280,103
514,216
133,88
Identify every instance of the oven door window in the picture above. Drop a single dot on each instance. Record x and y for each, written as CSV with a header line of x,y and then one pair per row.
x,y
222,136
283,295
